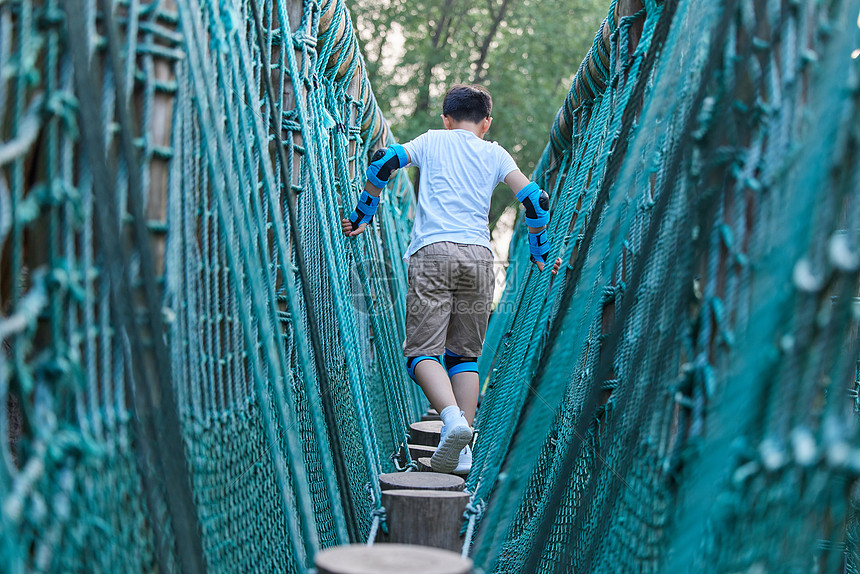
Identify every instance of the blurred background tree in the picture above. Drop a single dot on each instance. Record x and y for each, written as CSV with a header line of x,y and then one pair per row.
x,y
525,52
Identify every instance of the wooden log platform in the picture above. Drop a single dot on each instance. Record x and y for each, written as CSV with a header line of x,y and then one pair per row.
x,y
425,433
431,415
420,481
390,559
417,451
427,517
424,466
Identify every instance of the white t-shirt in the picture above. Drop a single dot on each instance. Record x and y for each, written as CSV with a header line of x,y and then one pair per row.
x,y
459,171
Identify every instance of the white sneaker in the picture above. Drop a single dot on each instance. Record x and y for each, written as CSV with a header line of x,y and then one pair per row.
x,y
465,463
452,440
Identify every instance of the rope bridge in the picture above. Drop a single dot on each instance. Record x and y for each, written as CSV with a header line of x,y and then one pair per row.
x,y
200,373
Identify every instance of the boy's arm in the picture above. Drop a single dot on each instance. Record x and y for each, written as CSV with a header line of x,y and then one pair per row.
x,y
384,162
536,203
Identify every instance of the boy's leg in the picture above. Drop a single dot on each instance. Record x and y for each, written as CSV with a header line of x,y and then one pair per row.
x,y
433,380
465,387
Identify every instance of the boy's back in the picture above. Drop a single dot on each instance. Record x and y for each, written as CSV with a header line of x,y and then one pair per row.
x,y
459,171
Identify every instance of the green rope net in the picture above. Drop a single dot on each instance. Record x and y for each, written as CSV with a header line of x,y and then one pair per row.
x,y
199,372
676,398
267,486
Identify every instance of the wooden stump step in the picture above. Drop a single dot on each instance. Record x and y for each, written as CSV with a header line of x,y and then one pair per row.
x,y
424,466
426,517
420,481
390,559
425,433
416,451
431,415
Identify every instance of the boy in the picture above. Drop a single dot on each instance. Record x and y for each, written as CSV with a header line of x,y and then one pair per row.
x,y
450,273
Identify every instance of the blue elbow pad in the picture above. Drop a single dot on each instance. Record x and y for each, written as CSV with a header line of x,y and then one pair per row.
x,y
539,246
364,211
385,161
536,203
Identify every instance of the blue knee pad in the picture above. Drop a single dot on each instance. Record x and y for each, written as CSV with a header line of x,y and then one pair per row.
x,y
412,362
455,363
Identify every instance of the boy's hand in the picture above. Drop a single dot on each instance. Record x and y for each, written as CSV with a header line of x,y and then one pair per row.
x,y
346,226
555,266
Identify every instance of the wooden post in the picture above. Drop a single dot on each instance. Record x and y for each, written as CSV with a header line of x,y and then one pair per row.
x,y
390,559
163,71
626,8
426,517
351,119
295,8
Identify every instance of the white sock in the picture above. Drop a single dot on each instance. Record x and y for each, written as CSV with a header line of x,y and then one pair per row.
x,y
450,415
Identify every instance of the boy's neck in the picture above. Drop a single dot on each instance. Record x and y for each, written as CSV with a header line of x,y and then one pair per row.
x,y
479,129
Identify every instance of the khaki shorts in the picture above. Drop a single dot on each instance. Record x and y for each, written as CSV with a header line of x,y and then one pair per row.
x,y
449,299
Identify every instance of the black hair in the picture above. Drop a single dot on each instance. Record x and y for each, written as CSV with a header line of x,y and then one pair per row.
x,y
467,103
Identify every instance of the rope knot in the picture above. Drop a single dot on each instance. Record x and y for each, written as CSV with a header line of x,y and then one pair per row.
x,y
377,520
474,509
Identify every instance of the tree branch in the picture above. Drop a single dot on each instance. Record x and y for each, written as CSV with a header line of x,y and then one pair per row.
x,y
422,103
485,47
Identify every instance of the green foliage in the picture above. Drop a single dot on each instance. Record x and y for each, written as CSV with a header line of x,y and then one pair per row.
x,y
525,52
